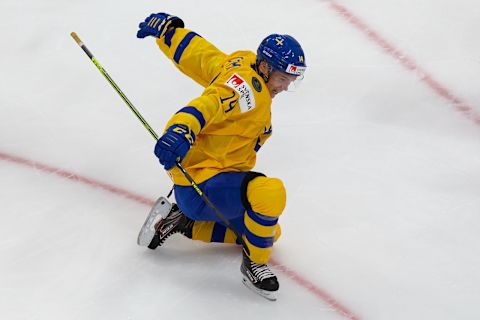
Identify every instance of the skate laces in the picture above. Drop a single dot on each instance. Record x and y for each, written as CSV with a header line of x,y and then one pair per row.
x,y
261,271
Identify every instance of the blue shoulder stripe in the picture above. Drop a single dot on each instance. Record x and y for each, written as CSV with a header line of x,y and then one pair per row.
x,y
183,45
194,112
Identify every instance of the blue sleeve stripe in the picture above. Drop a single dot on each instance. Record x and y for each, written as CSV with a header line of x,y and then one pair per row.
x,y
258,145
183,45
218,233
169,36
194,112
261,219
259,242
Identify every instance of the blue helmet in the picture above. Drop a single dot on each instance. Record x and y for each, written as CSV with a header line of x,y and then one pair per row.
x,y
282,52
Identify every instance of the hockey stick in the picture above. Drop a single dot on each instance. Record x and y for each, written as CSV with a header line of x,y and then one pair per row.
x,y
155,136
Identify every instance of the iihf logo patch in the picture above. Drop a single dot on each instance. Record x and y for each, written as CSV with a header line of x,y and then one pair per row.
x,y
256,84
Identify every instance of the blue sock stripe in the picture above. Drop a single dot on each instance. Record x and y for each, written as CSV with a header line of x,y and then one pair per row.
x,y
194,112
259,242
261,219
183,45
218,233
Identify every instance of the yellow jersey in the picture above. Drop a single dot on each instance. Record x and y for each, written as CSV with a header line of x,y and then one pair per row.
x,y
231,119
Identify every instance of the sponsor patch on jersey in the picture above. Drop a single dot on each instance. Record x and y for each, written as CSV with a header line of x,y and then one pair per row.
x,y
298,71
246,100
256,84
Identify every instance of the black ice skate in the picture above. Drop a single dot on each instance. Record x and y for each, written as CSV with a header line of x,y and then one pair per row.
x,y
259,278
163,220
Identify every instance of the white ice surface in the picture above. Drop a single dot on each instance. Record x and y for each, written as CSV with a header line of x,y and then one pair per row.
x,y
383,175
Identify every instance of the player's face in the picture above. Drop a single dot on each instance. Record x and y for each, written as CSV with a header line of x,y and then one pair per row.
x,y
278,82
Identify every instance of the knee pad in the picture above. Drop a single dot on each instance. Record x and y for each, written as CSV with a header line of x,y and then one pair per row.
x,y
264,199
264,195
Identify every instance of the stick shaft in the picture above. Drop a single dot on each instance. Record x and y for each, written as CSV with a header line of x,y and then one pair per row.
x,y
114,85
155,136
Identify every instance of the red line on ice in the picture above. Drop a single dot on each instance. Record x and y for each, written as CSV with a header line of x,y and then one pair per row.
x,y
319,293
294,276
405,61
374,36
75,177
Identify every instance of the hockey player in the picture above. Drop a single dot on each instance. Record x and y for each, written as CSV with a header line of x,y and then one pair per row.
x,y
216,137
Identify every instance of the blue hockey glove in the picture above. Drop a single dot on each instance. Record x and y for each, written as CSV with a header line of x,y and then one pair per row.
x,y
174,145
157,24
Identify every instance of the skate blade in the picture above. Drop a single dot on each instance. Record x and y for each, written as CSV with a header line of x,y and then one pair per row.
x,y
159,211
269,295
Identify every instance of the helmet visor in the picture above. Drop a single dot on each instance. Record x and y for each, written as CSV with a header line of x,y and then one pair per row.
x,y
295,84
297,71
